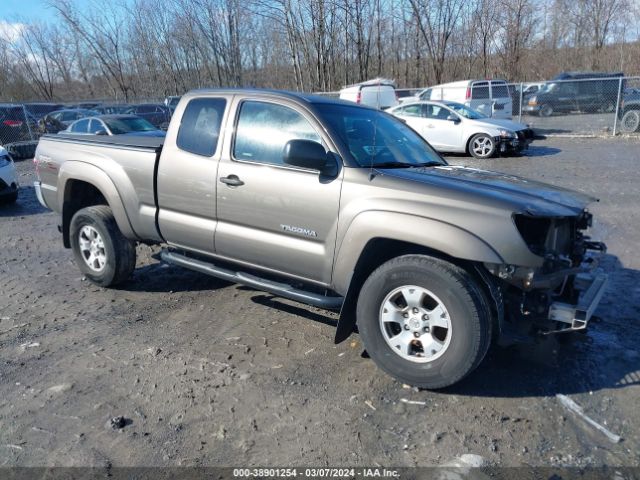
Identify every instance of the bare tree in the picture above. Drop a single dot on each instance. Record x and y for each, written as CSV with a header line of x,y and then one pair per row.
x,y
102,30
151,48
436,21
517,23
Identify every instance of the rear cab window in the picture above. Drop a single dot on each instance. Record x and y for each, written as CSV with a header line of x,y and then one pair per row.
x,y
499,90
263,129
480,91
200,126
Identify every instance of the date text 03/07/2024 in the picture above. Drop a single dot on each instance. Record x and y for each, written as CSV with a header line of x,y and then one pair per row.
x,y
315,472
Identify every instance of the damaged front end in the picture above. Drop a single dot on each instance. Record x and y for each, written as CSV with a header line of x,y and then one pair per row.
x,y
562,294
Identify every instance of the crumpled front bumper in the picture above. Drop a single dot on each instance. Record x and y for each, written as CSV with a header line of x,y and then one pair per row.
x,y
516,144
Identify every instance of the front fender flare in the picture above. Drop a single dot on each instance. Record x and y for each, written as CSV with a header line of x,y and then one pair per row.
x,y
424,232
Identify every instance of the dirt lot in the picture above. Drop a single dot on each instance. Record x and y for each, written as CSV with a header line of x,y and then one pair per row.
x,y
208,373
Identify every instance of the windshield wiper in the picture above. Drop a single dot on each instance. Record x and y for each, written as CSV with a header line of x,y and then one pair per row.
x,y
404,165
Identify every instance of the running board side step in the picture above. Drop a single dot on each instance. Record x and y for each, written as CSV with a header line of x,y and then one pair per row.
x,y
280,289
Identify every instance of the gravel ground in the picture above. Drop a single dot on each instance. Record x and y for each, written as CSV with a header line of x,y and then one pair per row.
x,y
209,373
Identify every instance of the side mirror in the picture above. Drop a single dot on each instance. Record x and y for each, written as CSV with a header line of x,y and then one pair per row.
x,y
453,118
101,132
305,154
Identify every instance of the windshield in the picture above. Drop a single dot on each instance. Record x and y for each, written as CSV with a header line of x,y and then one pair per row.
x,y
375,138
548,87
127,125
464,111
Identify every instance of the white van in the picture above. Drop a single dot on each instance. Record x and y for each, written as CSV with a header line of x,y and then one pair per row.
x,y
490,97
378,93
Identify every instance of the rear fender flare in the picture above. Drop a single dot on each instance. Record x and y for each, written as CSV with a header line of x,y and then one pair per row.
x,y
76,170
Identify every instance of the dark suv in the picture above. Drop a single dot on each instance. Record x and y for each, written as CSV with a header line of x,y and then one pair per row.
x,y
576,92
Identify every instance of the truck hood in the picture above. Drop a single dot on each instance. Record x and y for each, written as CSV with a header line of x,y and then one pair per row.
x,y
524,196
500,123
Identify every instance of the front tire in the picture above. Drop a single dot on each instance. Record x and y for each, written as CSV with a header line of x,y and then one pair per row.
x,y
9,199
482,146
546,111
630,121
103,254
424,321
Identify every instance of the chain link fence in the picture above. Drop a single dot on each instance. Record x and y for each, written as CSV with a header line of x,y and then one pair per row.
x,y
19,132
592,106
22,125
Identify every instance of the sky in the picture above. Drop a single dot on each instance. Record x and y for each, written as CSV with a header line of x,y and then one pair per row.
x,y
13,10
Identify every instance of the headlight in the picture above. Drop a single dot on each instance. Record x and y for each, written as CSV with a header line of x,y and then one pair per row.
x,y
4,160
507,134
533,101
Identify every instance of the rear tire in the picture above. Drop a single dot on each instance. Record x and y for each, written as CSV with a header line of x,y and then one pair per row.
x,y
424,321
630,121
103,254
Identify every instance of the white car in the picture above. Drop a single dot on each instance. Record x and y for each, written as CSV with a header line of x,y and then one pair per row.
x,y
453,127
8,178
377,93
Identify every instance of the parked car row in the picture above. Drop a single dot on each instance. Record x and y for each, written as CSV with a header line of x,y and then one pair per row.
x,y
122,124
568,92
58,120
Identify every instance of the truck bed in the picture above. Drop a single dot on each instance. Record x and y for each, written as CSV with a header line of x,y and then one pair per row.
x,y
124,141
122,168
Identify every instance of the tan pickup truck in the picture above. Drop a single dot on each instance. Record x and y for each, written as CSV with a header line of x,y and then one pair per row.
x,y
339,206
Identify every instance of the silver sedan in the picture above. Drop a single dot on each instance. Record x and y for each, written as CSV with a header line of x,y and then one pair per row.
x,y
453,127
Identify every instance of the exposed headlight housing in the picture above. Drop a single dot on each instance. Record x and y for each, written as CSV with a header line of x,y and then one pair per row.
x,y
4,160
507,134
552,235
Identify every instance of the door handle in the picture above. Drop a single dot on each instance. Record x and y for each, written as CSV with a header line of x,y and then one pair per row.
x,y
232,181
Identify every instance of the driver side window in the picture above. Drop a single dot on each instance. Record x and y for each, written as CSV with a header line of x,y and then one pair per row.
x,y
411,111
436,112
263,130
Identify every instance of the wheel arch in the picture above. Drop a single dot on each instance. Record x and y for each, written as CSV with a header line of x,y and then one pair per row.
x,y
350,274
86,185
